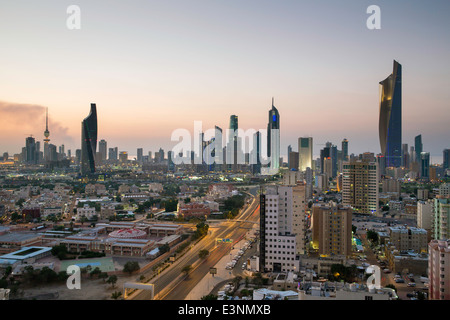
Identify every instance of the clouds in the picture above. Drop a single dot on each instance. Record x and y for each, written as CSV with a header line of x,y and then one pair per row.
x,y
19,120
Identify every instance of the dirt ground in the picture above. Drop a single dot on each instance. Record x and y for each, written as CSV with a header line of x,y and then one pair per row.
x,y
91,289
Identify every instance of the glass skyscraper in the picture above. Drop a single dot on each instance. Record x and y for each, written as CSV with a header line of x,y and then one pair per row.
x,y
89,141
273,139
390,124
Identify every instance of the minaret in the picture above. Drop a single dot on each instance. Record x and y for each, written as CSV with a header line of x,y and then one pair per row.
x,y
46,135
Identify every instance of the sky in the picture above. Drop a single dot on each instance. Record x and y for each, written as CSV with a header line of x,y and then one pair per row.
x,y
153,67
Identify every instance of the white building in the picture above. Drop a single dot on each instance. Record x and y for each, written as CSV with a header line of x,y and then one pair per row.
x,y
85,211
425,214
284,227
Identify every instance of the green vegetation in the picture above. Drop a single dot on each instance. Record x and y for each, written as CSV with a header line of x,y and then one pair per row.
x,y
202,230
203,254
131,266
372,236
339,272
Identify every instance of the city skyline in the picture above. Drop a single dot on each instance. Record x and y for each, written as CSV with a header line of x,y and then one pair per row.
x,y
318,60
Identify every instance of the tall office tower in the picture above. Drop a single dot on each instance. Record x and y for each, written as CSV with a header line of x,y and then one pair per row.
x,y
328,167
305,153
412,155
293,162
255,157
390,122
89,141
345,150
77,156
159,156
140,154
102,147
170,163
46,135
441,214
289,150
446,159
360,186
52,154
273,139
218,148
113,154
439,269
232,145
150,156
332,229
30,147
425,165
405,156
418,145
282,227
39,153
330,152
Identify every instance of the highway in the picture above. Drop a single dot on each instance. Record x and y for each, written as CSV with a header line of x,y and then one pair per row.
x,y
172,284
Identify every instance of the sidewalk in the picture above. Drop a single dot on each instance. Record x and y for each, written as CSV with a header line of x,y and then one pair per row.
x,y
207,284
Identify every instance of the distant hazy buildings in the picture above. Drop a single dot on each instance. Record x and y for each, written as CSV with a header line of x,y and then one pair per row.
x,y
305,153
89,141
390,121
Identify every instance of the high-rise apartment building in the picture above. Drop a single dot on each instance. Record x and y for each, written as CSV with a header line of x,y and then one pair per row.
x,y
446,159
282,227
441,217
360,186
425,165
332,229
439,270
390,121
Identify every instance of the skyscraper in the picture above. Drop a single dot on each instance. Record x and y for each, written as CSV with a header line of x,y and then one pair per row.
x,y
390,122
46,135
30,147
345,149
140,154
425,165
446,159
419,148
305,153
273,139
89,141
102,147
233,145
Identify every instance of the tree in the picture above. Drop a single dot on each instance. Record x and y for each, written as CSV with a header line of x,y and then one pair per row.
x,y
112,280
372,236
203,254
209,297
186,269
131,266
116,295
103,275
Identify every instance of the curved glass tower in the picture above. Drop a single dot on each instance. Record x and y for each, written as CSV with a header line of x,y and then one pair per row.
x,y
390,125
89,141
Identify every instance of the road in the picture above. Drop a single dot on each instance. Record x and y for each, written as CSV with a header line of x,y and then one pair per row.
x,y
173,285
